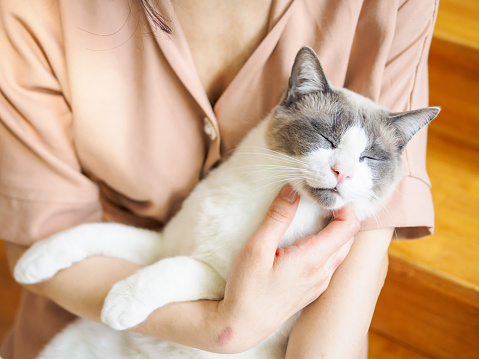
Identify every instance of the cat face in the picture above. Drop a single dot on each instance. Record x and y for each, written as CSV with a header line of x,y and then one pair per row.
x,y
346,147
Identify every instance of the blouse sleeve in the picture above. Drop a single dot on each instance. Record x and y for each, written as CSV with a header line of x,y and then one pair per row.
x,y
404,86
42,188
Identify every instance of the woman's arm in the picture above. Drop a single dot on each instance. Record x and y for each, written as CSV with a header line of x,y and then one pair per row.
x,y
82,288
265,287
336,324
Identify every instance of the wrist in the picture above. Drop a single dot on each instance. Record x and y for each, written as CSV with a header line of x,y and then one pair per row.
x,y
238,330
229,332
199,324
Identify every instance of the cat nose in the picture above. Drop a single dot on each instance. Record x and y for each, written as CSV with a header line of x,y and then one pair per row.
x,y
340,173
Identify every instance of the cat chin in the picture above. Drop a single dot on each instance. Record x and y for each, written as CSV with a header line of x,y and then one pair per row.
x,y
340,203
335,201
329,199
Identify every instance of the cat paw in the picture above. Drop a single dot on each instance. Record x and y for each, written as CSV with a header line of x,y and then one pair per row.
x,y
122,310
42,261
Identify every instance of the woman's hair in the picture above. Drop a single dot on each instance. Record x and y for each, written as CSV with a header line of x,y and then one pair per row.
x,y
155,16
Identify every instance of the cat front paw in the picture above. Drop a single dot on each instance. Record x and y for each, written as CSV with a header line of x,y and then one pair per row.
x,y
43,260
122,309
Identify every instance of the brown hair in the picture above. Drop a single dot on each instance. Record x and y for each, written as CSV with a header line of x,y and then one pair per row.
x,y
156,17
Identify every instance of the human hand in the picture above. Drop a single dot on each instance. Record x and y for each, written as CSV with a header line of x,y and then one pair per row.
x,y
267,284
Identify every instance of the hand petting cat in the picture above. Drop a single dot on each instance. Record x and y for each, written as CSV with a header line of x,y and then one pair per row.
x,y
263,272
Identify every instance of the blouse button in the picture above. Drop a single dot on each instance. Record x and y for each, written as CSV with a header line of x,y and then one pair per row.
x,y
209,129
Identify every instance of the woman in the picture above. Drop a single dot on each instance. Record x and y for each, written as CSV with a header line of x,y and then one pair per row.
x,y
104,116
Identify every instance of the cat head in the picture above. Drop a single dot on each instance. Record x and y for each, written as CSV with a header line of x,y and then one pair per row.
x,y
347,148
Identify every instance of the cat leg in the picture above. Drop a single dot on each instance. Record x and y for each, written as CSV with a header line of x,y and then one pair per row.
x,y
175,279
46,257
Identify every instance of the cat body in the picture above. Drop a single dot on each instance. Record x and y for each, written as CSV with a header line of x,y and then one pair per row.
x,y
332,145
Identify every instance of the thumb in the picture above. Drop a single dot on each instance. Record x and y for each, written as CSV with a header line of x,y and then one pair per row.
x,y
280,214
329,240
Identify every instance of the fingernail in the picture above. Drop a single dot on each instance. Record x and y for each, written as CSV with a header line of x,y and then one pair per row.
x,y
288,193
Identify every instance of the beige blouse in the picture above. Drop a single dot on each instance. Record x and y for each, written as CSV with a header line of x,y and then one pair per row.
x,y
103,117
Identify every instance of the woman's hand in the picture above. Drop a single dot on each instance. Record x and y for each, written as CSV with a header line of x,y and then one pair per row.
x,y
268,285
336,324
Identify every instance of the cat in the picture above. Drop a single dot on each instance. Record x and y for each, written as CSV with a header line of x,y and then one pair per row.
x,y
332,145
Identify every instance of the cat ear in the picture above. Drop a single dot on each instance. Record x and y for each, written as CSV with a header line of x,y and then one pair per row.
x,y
307,76
410,122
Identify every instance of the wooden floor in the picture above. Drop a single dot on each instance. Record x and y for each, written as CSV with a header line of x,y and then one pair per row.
x,y
429,307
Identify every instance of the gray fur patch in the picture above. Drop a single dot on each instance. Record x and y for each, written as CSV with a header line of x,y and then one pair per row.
x,y
315,116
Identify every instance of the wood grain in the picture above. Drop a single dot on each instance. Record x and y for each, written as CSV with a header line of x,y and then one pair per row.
x,y
382,347
9,296
457,22
422,311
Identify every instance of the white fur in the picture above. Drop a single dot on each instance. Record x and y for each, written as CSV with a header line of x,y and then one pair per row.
x,y
193,256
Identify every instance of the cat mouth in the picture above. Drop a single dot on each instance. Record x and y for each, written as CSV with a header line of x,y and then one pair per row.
x,y
324,190
326,197
329,198
324,194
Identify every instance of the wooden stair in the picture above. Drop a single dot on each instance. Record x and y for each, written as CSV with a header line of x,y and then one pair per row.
x,y
430,302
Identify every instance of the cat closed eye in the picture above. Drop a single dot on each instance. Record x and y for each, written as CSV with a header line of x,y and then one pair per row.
x,y
331,142
362,158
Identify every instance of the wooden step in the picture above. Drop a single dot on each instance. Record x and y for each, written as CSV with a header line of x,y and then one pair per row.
x,y
454,71
428,311
457,22
382,347
430,301
454,248
453,85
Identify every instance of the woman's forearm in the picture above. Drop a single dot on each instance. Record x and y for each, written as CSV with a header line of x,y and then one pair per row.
x,y
82,289
336,324
265,287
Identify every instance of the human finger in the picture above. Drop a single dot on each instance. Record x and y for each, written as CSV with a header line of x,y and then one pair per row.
x,y
342,227
339,256
280,214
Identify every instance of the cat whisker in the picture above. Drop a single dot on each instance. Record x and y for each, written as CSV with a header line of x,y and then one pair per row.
x,y
271,167
378,220
284,161
275,172
280,164
267,171
281,182
395,236
275,154
381,207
